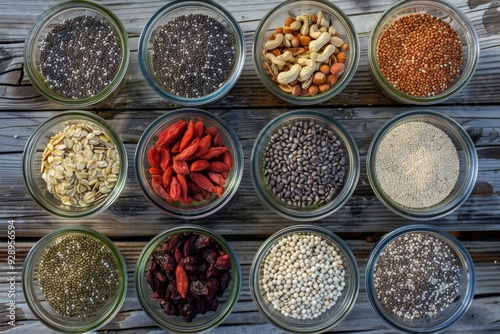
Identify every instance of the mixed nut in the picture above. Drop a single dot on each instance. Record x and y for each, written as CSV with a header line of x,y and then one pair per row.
x,y
189,162
188,274
306,56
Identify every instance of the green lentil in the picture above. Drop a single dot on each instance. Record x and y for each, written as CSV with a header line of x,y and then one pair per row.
x,y
78,274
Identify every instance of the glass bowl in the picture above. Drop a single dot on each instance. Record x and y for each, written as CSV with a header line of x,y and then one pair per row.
x,y
314,210
39,304
460,302
201,322
202,207
276,18
343,304
53,17
467,161
169,13
444,11
115,177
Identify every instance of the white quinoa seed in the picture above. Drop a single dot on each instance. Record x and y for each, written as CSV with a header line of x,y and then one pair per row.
x,y
302,276
417,164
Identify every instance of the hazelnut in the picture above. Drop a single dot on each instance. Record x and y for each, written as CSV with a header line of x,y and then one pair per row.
x,y
331,79
319,78
289,20
305,40
344,47
324,68
324,87
341,57
287,30
295,42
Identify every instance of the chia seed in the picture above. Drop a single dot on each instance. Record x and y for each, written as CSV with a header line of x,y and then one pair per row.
x,y
304,164
80,57
416,276
193,55
78,274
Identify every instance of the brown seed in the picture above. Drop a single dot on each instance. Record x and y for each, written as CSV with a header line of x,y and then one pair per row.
x,y
279,30
344,47
295,42
296,90
305,40
337,69
341,57
319,78
272,37
314,18
331,79
313,90
287,29
289,20
324,87
324,68
276,52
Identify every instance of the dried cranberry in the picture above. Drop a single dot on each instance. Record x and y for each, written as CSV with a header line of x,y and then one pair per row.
x,y
210,255
202,242
224,282
198,288
187,312
223,262
191,260
201,305
150,278
188,248
212,271
160,276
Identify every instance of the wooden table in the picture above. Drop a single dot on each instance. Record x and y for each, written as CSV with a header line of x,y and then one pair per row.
x,y
246,222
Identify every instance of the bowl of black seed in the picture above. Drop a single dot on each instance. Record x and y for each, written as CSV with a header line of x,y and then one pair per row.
x,y
422,165
304,165
191,52
420,279
74,280
77,53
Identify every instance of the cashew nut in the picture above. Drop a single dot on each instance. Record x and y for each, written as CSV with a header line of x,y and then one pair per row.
x,y
323,29
323,23
320,18
279,60
317,44
295,25
274,43
308,68
314,32
306,22
324,56
290,75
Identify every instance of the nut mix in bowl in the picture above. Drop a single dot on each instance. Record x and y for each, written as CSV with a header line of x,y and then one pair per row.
x,y
304,279
191,52
420,279
92,62
305,52
423,52
74,280
74,164
188,279
304,165
189,163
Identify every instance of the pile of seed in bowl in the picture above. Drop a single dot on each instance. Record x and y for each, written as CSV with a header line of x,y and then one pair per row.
x,y
80,57
78,274
302,275
193,55
420,55
417,275
304,164
80,165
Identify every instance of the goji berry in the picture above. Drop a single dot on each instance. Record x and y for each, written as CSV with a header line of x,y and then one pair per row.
x,y
171,133
202,182
217,178
184,188
175,189
199,165
154,157
218,166
165,157
188,136
204,145
180,166
181,281
212,152
189,151
198,129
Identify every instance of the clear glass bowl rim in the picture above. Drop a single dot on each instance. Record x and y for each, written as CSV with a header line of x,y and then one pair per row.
x,y
239,55
224,309
352,64
461,253
238,161
31,262
354,279
351,153
470,159
36,78
30,150
470,67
